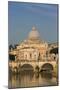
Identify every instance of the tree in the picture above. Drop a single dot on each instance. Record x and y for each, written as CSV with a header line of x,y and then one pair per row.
x,y
10,46
15,46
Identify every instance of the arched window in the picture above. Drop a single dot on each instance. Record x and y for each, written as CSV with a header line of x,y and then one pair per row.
x,y
46,53
35,56
30,55
26,56
39,57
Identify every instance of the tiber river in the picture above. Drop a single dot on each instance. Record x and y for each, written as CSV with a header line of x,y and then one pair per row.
x,y
30,79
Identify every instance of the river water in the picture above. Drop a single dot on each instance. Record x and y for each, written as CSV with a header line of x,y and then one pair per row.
x,y
30,79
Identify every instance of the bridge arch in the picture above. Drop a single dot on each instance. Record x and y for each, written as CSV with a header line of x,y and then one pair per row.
x,y
27,67
47,66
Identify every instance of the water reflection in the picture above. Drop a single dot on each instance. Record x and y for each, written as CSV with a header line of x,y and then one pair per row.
x,y
29,79
46,75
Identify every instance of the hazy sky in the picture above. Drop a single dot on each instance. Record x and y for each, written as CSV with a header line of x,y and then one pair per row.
x,y
22,16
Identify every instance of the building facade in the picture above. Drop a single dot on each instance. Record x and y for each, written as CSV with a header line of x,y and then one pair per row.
x,y
31,49
34,51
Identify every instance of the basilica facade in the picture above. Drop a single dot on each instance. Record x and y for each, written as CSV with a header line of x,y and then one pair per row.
x,y
32,48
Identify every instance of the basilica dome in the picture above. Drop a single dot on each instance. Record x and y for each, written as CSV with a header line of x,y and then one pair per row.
x,y
34,34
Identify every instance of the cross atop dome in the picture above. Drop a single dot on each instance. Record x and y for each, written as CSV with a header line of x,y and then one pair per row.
x,y
34,34
33,28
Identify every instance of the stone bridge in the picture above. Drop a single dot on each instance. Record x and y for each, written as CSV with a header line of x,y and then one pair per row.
x,y
32,65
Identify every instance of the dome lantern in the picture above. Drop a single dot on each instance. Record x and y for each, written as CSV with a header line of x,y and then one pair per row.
x,y
34,34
